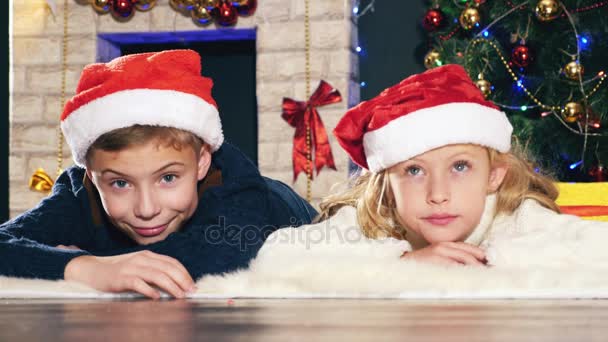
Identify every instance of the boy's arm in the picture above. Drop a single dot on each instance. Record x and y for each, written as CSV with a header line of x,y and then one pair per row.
x,y
27,243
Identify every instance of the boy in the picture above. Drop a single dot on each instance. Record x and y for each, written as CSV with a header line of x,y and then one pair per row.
x,y
156,197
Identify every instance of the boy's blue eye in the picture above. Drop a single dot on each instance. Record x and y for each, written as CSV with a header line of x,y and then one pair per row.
x,y
461,166
169,178
119,183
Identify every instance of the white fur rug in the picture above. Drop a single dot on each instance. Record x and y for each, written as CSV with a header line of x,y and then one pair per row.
x,y
331,260
374,270
406,281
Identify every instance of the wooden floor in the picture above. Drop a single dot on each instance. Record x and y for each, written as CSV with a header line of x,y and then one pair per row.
x,y
291,320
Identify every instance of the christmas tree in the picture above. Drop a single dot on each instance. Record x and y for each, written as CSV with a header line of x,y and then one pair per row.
x,y
544,62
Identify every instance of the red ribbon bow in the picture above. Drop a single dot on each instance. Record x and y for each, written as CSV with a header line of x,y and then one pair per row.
x,y
300,113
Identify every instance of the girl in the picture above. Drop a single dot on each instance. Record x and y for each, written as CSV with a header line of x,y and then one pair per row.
x,y
441,171
441,188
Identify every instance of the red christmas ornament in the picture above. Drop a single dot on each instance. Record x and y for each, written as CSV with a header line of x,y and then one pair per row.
x,y
226,14
246,7
480,2
599,173
122,9
433,20
521,56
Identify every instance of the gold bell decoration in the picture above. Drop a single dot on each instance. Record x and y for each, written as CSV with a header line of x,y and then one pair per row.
x,y
572,111
432,59
484,85
41,181
547,10
574,70
469,18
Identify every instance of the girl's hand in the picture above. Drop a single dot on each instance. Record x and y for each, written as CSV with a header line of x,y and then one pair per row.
x,y
448,253
138,272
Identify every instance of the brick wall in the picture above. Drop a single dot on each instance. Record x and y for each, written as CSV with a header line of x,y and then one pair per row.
x,y
36,78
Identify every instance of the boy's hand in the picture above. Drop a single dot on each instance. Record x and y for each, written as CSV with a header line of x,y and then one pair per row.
x,y
138,272
70,247
449,253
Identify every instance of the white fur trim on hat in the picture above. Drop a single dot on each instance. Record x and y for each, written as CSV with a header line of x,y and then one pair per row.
x,y
154,107
429,128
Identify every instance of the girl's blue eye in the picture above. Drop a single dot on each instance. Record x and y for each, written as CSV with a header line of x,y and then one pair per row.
x,y
169,178
119,184
413,170
461,166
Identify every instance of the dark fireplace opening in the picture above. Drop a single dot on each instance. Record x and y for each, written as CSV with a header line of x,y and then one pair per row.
x,y
228,57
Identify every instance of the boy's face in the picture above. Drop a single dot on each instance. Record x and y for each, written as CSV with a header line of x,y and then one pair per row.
x,y
441,194
148,191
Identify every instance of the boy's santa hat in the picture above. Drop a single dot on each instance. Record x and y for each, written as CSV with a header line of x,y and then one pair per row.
x,y
439,107
159,89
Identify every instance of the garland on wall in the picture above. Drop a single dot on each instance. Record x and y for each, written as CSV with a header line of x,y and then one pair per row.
x,y
202,12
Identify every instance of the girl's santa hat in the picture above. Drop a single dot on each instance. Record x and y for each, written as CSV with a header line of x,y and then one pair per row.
x,y
160,89
439,107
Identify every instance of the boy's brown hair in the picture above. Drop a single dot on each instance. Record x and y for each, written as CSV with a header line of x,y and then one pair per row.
x,y
123,138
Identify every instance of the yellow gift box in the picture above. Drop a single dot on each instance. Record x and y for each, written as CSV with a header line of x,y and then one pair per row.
x,y
587,200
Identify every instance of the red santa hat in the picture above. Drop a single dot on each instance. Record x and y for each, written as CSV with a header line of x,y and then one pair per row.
x,y
160,89
439,107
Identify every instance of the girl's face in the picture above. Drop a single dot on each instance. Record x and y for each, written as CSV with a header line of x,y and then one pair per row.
x,y
441,194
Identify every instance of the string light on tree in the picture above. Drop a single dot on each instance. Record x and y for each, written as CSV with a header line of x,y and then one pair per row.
x,y
592,120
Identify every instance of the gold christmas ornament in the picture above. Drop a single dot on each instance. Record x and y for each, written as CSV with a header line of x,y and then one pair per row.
x,y
572,112
144,5
176,5
101,6
41,181
432,59
189,4
201,15
469,18
210,4
484,86
573,69
547,10
183,6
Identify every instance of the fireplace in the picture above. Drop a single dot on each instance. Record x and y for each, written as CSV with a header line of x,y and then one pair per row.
x,y
254,64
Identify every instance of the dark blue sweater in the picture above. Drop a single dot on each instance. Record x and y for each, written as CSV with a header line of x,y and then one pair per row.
x,y
229,226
